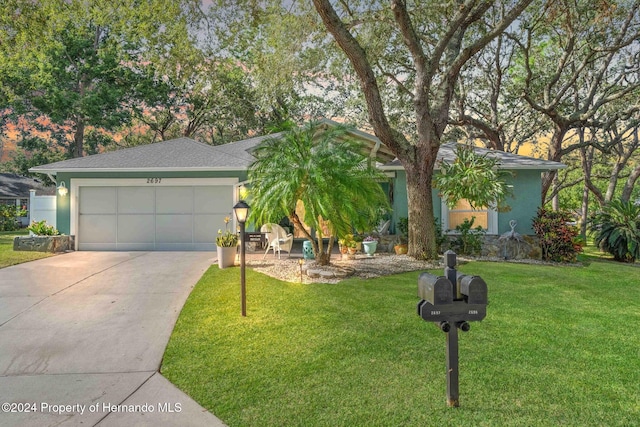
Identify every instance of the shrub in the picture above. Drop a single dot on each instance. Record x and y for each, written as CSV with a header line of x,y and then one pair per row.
x,y
403,228
441,239
559,240
9,217
469,239
41,228
348,241
617,230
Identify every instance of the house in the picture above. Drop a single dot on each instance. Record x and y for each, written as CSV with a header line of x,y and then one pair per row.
x,y
14,191
174,195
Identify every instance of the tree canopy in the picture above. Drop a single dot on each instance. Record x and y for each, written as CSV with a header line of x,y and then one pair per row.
x,y
79,64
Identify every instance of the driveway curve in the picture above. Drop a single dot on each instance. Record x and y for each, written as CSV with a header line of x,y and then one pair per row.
x,y
82,337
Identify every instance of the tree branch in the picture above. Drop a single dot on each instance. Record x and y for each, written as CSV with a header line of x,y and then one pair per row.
x,y
395,141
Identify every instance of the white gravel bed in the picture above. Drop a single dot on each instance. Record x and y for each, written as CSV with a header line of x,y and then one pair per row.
x,y
288,269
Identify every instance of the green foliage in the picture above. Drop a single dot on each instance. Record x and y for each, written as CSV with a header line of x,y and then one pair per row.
x,y
324,169
559,240
9,217
617,230
33,151
469,239
403,227
348,241
41,228
226,239
473,177
71,66
210,101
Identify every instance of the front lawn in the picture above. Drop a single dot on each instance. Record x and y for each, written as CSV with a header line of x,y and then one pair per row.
x,y
559,346
10,257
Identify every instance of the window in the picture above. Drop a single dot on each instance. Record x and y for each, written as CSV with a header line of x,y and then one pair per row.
x,y
486,218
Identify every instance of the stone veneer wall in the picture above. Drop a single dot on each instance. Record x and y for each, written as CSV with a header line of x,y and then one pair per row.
x,y
493,247
44,243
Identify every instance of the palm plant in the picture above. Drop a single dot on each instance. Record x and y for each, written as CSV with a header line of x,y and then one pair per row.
x,y
326,171
617,230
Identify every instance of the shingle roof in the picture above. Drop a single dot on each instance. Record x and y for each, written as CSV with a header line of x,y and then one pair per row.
x,y
185,154
14,186
175,154
505,160
243,149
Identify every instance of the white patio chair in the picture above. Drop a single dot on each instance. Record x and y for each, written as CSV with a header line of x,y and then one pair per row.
x,y
277,239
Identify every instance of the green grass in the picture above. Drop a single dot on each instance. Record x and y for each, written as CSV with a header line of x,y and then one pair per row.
x,y
559,346
10,257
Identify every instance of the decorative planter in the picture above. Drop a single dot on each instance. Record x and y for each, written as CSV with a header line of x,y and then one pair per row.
x,y
401,249
370,247
226,256
307,250
352,251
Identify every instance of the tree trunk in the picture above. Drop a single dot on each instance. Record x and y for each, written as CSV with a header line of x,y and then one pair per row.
x,y
555,154
628,186
78,140
584,212
422,244
613,180
555,200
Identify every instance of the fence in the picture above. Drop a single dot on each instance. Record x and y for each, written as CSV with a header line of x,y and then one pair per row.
x,y
42,208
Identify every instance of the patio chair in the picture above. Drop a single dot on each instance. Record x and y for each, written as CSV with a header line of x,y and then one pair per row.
x,y
277,239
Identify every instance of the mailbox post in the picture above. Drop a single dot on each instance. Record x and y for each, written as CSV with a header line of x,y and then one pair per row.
x,y
451,301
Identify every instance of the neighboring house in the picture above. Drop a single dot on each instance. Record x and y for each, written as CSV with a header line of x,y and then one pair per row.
x,y
174,195
14,190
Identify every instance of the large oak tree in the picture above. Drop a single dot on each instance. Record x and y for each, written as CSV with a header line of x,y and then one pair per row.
x,y
432,41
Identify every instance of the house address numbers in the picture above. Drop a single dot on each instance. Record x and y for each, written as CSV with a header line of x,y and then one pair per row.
x,y
154,180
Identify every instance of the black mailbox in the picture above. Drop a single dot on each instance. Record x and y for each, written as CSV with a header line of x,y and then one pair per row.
x,y
438,290
473,288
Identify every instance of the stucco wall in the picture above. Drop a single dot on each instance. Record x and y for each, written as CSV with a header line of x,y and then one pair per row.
x,y
524,203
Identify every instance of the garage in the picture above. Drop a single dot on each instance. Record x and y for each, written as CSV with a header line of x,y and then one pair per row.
x,y
167,196
151,218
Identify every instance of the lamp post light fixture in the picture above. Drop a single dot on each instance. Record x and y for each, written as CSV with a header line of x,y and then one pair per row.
x,y
241,210
301,262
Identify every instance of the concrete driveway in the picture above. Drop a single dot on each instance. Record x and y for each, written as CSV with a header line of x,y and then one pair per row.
x,y
82,337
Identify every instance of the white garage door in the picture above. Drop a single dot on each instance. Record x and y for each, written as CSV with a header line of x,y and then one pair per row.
x,y
152,218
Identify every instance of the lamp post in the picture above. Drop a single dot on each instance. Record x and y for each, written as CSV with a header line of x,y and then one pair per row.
x,y
241,210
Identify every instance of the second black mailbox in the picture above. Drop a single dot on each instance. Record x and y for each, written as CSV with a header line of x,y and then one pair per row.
x,y
473,289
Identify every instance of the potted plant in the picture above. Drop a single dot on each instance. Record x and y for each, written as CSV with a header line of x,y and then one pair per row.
x,y
370,244
348,244
403,229
227,243
357,239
